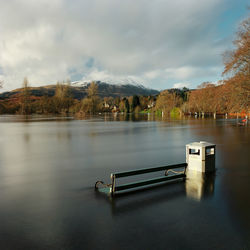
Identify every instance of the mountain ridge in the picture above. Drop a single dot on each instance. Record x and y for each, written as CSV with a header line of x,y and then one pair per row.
x,y
79,90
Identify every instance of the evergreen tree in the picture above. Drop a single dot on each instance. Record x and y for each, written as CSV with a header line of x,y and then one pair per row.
x,y
135,102
127,110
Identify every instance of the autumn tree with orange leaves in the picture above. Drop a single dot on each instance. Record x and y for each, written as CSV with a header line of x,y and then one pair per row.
x,y
166,101
237,68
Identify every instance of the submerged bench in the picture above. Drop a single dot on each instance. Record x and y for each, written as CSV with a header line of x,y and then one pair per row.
x,y
113,188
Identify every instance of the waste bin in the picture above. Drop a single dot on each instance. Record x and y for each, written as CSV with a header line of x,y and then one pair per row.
x,y
200,156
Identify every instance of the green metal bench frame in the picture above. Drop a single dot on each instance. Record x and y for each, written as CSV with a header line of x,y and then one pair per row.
x,y
114,188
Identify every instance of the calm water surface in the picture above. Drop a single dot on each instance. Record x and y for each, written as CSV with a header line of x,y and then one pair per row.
x,y
48,168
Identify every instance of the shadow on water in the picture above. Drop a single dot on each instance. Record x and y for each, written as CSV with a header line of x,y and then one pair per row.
x,y
141,198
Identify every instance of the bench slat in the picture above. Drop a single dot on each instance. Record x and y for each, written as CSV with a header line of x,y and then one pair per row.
x,y
147,182
148,170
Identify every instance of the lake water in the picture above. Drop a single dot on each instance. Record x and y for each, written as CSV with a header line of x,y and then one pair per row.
x,y
48,168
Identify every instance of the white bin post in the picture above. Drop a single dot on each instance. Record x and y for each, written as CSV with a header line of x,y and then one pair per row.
x,y
200,156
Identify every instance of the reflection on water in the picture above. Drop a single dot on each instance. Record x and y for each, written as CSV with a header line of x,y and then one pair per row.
x,y
34,118
199,185
144,197
196,186
49,165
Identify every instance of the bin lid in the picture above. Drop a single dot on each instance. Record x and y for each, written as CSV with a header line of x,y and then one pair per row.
x,y
201,144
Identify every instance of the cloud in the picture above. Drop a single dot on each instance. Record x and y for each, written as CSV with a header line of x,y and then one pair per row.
x,y
188,72
159,42
105,76
181,85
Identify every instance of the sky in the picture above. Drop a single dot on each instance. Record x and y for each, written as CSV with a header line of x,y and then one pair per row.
x,y
160,44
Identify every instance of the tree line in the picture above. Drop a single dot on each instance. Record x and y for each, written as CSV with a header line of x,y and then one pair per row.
x,y
208,98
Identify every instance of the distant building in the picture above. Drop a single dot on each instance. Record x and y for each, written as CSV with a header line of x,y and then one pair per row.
x,y
106,105
115,109
151,104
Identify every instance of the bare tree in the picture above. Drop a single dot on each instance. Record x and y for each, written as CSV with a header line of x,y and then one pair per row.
x,y
63,97
91,103
25,98
92,90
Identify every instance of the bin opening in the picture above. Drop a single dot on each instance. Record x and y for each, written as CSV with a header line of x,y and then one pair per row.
x,y
193,151
209,151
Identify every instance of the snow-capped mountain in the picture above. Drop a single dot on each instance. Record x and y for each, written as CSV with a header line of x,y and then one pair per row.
x,y
121,81
127,87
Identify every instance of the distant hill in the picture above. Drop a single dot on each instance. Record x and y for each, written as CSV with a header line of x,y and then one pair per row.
x,y
79,90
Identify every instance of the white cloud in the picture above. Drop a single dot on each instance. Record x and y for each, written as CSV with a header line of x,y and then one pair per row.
x,y
181,85
105,76
189,72
158,42
153,74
